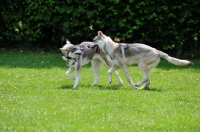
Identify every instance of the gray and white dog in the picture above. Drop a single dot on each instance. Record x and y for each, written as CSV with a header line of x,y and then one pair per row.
x,y
79,55
122,55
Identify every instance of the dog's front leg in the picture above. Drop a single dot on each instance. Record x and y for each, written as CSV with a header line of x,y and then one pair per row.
x,y
118,77
69,71
126,72
110,73
78,72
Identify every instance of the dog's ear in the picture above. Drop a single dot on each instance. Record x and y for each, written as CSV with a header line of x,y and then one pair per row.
x,y
68,42
63,50
101,34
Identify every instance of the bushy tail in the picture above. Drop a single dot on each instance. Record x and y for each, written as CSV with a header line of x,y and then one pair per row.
x,y
173,60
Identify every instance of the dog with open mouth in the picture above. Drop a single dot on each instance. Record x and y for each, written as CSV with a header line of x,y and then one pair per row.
x,y
79,55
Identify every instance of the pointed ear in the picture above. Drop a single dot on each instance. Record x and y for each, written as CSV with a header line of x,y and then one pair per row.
x,y
101,34
63,50
68,42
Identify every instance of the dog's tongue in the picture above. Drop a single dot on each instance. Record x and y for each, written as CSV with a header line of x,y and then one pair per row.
x,y
82,53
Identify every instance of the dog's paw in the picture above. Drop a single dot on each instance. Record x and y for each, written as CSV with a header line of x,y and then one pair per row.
x,y
71,77
93,84
109,81
135,88
137,85
121,82
75,86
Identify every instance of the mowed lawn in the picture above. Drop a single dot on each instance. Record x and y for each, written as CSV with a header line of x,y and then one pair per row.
x,y
35,95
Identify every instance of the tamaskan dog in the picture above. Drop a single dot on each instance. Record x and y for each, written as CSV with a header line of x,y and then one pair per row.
x,y
79,55
123,55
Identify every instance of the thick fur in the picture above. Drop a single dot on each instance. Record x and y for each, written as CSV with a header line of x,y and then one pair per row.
x,y
79,55
122,55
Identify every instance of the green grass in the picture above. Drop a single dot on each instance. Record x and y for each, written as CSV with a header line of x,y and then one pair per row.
x,y
35,95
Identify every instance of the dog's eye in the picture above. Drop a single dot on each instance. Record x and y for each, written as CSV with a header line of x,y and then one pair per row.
x,y
74,49
94,40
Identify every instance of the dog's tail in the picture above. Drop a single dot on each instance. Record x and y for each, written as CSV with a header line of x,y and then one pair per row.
x,y
173,60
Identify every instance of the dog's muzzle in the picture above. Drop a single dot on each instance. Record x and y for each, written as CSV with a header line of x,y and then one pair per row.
x,y
92,45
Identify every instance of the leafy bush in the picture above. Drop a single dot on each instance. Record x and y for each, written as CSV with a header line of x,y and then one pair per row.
x,y
166,25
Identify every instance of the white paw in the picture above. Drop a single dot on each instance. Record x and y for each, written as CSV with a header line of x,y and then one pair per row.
x,y
109,81
75,85
137,84
95,83
121,82
73,78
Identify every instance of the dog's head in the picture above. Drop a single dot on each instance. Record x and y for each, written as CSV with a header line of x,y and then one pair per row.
x,y
71,51
99,40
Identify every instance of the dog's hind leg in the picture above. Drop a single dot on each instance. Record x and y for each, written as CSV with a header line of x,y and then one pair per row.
x,y
145,72
145,81
96,64
69,71
146,69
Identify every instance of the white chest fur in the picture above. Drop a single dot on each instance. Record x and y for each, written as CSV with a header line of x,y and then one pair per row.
x,y
69,62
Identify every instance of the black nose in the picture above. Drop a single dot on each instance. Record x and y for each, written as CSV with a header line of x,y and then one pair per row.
x,y
81,49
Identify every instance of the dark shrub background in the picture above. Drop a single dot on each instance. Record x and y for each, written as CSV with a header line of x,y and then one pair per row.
x,y
172,26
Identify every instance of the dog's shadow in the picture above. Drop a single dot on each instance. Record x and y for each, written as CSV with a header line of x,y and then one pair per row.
x,y
97,87
67,87
108,87
111,87
153,89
